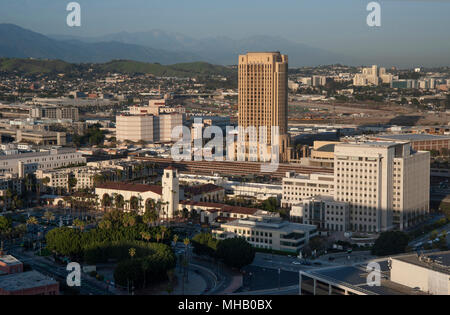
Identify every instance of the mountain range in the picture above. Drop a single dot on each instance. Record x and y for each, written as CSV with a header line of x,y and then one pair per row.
x,y
155,46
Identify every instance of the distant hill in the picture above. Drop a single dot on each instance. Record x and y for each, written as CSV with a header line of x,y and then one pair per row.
x,y
17,42
221,49
155,47
33,66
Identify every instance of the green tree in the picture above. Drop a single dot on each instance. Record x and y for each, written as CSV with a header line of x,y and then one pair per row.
x,y
390,243
204,244
235,252
5,224
64,241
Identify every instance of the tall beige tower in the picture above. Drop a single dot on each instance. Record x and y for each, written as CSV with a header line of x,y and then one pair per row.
x,y
263,98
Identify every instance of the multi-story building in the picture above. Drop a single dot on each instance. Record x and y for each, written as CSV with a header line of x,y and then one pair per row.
x,y
297,187
262,101
167,123
419,142
55,112
134,128
324,212
148,128
26,163
385,184
372,76
84,177
268,232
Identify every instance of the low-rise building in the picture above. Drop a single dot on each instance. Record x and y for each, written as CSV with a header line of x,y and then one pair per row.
x,y
268,232
9,265
429,273
28,283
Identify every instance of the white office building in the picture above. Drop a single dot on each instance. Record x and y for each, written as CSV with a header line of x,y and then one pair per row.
x,y
385,184
26,163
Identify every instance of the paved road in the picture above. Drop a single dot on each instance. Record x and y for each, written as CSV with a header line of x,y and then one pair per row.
x,y
88,286
425,238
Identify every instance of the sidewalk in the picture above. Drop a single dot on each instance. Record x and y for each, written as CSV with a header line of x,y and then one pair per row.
x,y
195,285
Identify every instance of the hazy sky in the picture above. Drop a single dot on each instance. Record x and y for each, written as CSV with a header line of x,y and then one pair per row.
x,y
336,25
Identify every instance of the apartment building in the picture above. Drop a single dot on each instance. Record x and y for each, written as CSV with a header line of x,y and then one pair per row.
x,y
26,163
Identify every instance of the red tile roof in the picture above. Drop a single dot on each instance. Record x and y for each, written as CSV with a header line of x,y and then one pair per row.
x,y
131,187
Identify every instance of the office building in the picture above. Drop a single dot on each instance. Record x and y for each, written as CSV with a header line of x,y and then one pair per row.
x,y
262,102
26,163
324,212
297,187
134,128
55,112
268,231
385,184
148,128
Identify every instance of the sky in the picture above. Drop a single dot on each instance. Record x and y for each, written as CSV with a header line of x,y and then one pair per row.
x,y
340,26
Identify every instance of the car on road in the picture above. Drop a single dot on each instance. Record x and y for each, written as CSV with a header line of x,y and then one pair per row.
x,y
318,263
331,258
296,263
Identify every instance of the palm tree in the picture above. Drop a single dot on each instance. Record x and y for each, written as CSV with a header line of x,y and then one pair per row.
x,y
186,243
186,262
145,266
79,224
45,181
175,239
49,216
163,231
132,252
146,236
158,237
32,221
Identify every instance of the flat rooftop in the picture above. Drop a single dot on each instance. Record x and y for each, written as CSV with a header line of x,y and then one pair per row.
x,y
9,260
413,137
376,144
24,281
435,261
273,224
355,278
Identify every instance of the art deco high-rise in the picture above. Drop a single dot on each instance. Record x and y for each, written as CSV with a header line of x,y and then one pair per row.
x,y
263,97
